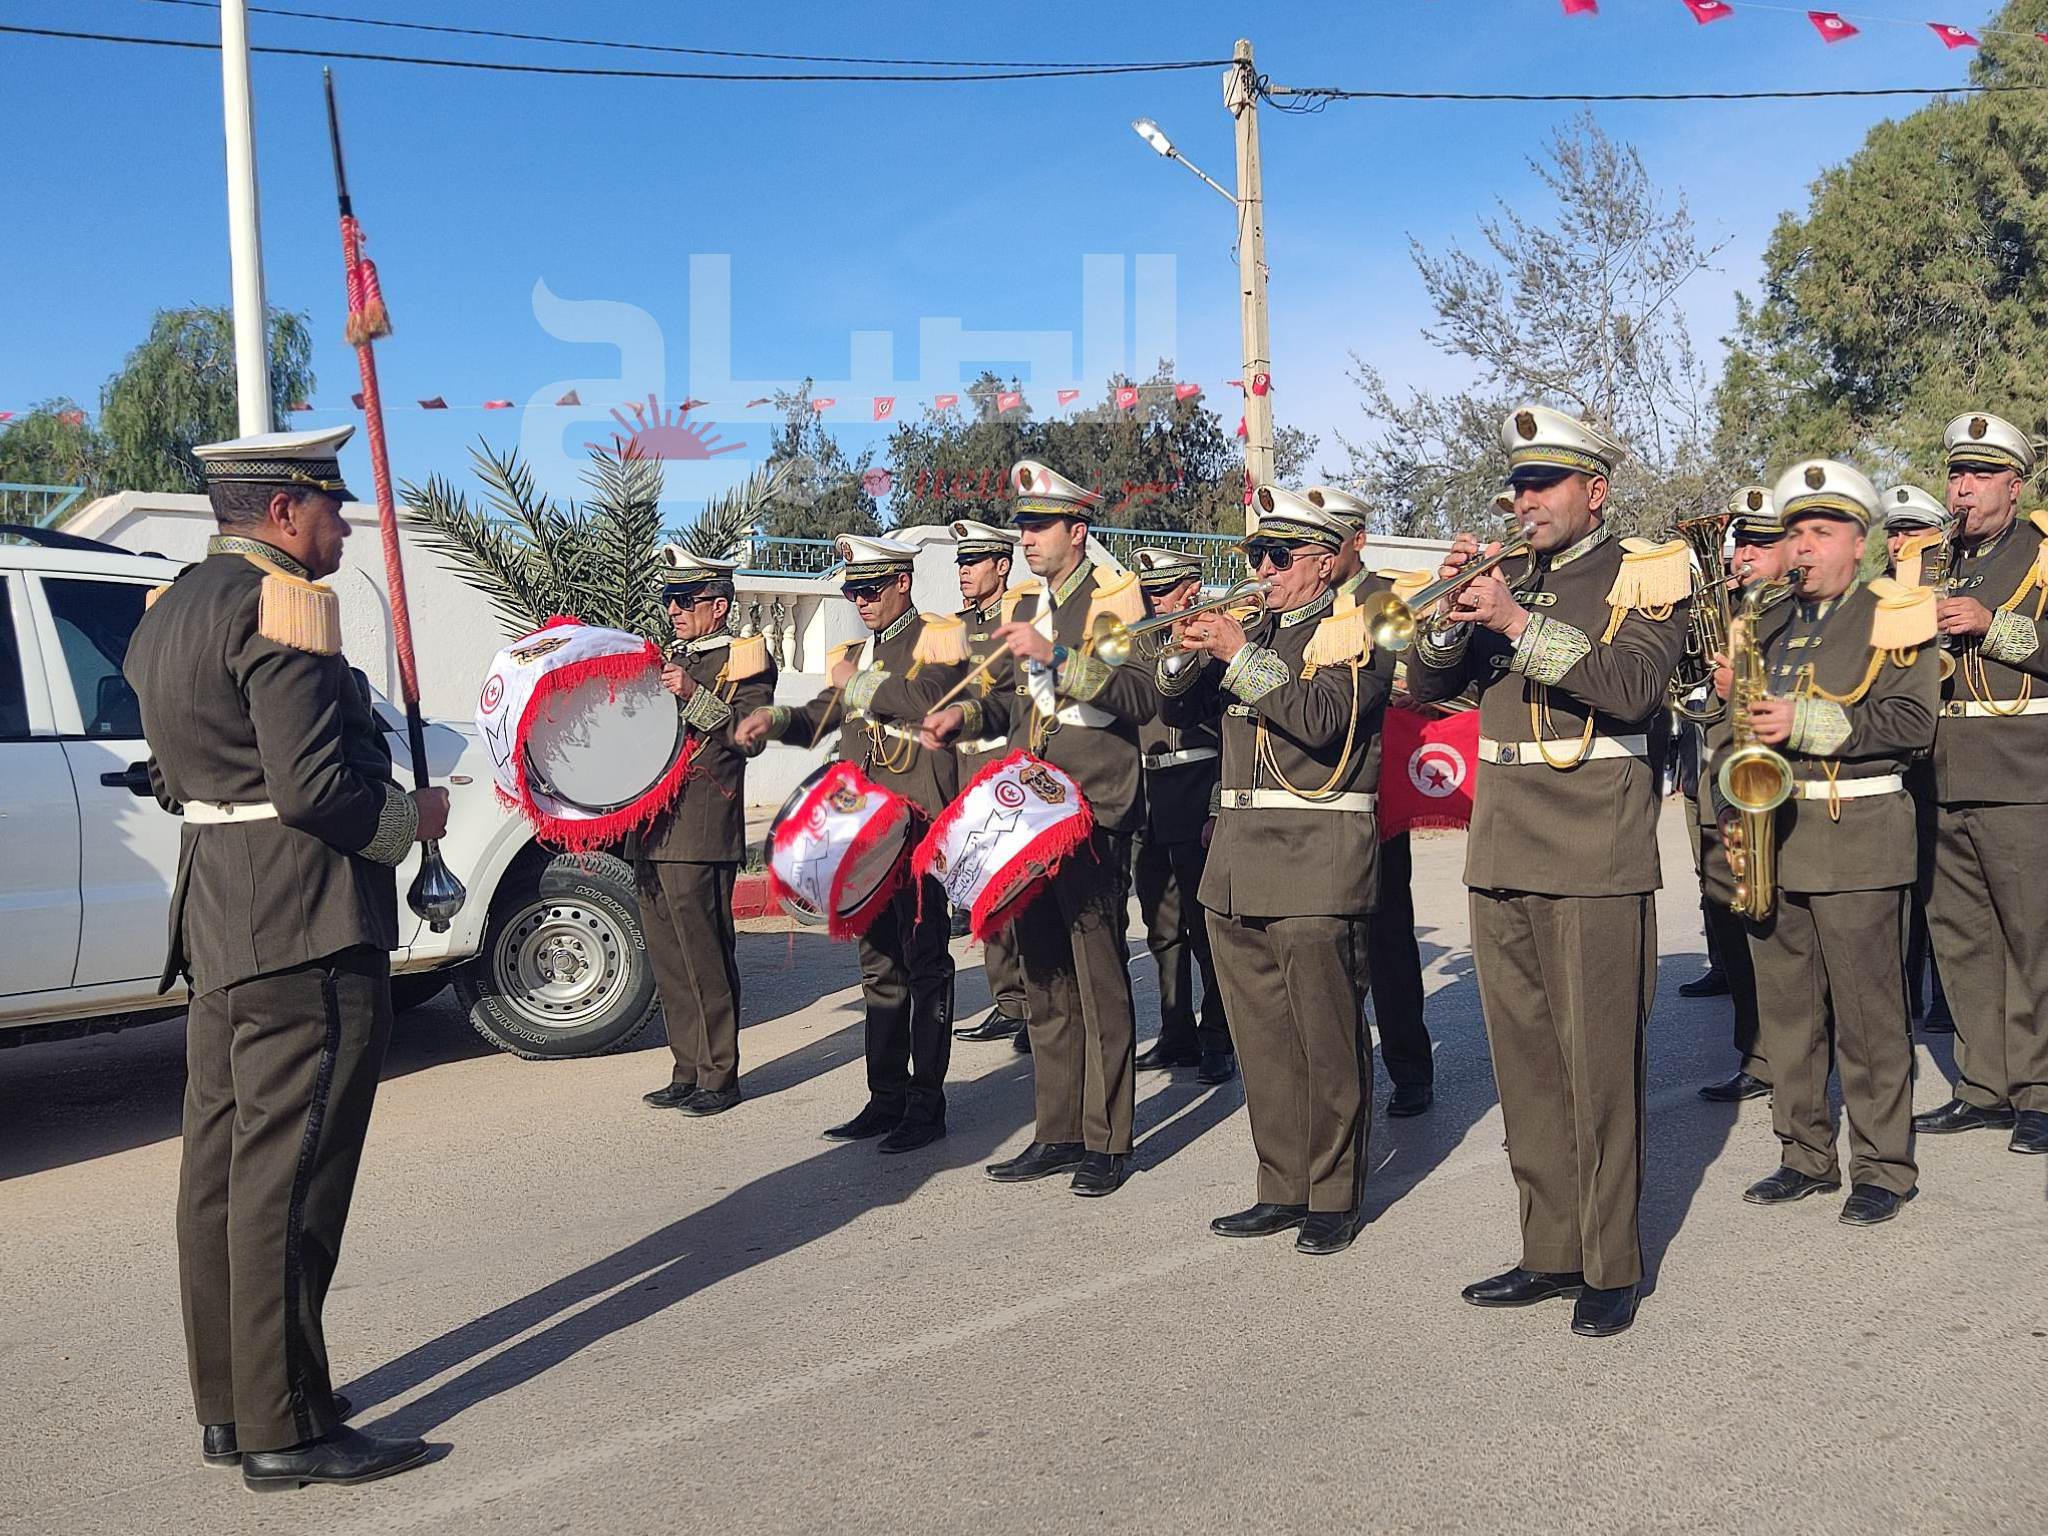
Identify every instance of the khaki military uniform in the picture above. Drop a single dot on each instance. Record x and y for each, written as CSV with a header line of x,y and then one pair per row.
x,y
1181,766
1834,942
1562,864
1071,935
905,967
283,917
1988,909
1290,878
687,859
1004,968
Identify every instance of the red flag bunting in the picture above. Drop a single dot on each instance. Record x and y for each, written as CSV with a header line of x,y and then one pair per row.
x,y
1704,11
762,401
1427,768
1582,7
1186,391
1952,37
299,405
1069,396
571,398
1832,28
885,407
1127,398
497,405
356,400
1008,399
945,402
433,403
824,403
691,404
1241,432
6,415
1261,383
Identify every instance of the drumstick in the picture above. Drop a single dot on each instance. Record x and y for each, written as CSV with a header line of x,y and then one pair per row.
x,y
980,668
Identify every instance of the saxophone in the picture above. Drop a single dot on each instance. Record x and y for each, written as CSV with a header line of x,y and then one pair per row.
x,y
1754,779
1937,569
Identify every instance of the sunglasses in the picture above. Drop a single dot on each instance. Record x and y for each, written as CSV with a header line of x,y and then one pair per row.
x,y
964,560
1264,551
864,591
682,597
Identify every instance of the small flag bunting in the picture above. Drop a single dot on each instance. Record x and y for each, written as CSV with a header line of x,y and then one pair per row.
x,y
433,403
1831,27
497,405
824,403
1704,11
1008,399
1068,396
571,398
1127,398
1186,391
885,407
1582,7
1952,38
945,402
752,403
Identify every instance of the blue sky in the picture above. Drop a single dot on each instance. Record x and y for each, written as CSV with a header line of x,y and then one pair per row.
x,y
859,208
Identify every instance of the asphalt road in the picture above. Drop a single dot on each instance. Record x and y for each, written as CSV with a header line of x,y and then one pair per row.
x,y
626,1321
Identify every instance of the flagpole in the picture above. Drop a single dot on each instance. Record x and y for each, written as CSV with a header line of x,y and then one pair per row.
x,y
245,224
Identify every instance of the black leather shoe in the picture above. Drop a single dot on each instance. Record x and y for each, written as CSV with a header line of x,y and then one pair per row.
x,y
1216,1067
1101,1173
1713,984
872,1121
710,1101
219,1448
1957,1115
1040,1160
1598,1313
1737,1088
995,1025
1021,1041
912,1134
346,1456
1410,1099
2029,1131
1867,1205
1261,1220
1159,1057
1327,1232
1787,1185
670,1097
1520,1287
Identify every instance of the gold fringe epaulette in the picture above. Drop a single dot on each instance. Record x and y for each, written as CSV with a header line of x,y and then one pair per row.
x,y
1338,639
845,650
1915,545
305,615
1904,617
1652,576
942,642
2039,518
149,599
1016,595
746,657
1408,583
1116,595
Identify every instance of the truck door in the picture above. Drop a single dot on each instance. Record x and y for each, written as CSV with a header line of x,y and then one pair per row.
x,y
39,906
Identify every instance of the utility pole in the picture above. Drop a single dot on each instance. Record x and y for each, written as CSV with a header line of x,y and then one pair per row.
x,y
245,224
1240,94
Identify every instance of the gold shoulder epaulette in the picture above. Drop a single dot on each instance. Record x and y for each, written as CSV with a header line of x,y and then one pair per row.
x,y
149,601
746,657
1117,595
1904,616
1911,549
1408,583
942,642
1017,594
845,650
305,615
2039,518
1652,575
1339,638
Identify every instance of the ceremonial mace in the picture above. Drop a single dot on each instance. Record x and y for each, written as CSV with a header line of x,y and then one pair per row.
x,y
436,894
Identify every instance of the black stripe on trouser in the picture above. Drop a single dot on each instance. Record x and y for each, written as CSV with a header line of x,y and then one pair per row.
x,y
302,1181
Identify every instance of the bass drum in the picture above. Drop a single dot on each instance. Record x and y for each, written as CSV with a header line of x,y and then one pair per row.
x,y
792,903
602,745
840,847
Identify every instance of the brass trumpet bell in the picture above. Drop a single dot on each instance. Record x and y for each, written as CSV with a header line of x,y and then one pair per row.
x,y
1112,641
1391,620
1755,779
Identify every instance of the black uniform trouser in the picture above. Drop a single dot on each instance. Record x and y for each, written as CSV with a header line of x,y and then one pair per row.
x,y
686,914
1395,962
906,976
1166,877
280,1075
1077,977
1004,968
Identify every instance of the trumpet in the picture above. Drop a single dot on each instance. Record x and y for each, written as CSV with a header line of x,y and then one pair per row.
x,y
1391,621
1114,642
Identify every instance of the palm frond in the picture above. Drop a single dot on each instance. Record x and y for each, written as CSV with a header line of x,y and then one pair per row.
x,y
489,557
719,532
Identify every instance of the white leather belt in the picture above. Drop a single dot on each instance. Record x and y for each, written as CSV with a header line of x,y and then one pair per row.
x,y
1281,800
1177,759
1510,753
1975,709
981,748
1084,715
1851,789
202,813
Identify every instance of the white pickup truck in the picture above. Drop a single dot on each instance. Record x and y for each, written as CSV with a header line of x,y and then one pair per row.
x,y
547,954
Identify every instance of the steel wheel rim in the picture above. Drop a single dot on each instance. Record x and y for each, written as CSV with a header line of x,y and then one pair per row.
x,y
561,964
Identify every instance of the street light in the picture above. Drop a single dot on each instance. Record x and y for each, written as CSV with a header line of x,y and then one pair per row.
x,y
1154,135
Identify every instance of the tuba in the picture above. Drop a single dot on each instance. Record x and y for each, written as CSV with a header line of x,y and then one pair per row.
x,y
1754,779
1710,618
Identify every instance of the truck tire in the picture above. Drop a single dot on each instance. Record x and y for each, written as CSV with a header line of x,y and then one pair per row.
x,y
415,989
564,970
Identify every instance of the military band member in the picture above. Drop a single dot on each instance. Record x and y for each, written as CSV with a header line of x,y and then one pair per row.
x,y
1562,854
1181,764
983,556
875,694
283,918
1852,689
1057,700
1292,865
1760,556
1394,958
1915,524
1989,908
688,858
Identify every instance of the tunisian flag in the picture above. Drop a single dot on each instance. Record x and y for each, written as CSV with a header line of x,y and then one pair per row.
x,y
1427,766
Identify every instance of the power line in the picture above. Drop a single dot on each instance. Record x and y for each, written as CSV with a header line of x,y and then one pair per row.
x,y
1064,72
1314,98
639,47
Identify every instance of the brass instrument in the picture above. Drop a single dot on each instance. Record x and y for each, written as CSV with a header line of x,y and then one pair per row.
x,y
1710,617
1114,642
1391,620
1936,567
1754,779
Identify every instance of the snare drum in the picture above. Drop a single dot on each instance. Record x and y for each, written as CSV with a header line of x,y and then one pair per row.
x,y
584,741
1000,841
837,849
